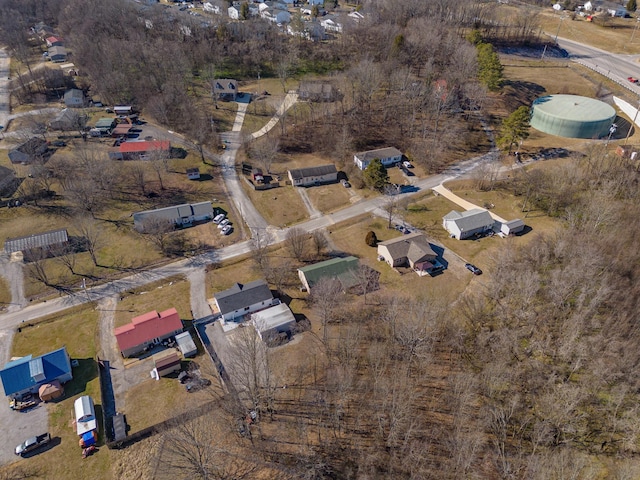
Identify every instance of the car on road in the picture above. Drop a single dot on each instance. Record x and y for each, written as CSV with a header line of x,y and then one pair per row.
x,y
218,218
227,229
224,223
632,79
473,269
31,444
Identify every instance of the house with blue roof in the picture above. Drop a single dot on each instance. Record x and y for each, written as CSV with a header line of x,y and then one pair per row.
x,y
27,374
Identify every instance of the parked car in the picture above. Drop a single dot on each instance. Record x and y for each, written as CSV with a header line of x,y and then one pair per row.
x,y
345,184
33,443
227,229
407,164
218,218
473,269
224,223
58,143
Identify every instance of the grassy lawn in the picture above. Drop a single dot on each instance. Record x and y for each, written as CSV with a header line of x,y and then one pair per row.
x,y
77,330
328,198
279,206
238,271
159,296
5,293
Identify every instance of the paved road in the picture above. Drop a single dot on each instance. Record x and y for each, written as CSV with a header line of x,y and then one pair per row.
x,y
5,108
612,65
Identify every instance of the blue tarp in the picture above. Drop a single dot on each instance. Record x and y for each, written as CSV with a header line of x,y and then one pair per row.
x,y
88,439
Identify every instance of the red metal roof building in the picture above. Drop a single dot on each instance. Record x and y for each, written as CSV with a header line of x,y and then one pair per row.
x,y
140,149
147,329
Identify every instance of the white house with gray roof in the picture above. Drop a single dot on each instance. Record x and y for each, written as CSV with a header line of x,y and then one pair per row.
x,y
303,177
244,299
184,215
461,225
388,156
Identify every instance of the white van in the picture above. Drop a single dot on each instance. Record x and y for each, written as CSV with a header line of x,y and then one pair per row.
x,y
218,218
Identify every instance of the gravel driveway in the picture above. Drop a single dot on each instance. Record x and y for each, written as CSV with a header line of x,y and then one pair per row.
x,y
17,426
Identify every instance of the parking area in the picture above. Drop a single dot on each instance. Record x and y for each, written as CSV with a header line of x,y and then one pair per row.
x,y
17,426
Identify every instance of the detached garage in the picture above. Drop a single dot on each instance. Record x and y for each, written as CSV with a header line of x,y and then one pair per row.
x,y
167,364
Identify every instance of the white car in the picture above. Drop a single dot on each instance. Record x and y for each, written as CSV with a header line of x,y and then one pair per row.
x,y
224,223
227,229
218,218
407,164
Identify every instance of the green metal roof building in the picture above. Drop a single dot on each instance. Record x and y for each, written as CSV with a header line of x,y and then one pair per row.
x,y
343,269
572,116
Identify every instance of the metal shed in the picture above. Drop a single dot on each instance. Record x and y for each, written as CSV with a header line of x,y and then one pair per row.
x,y
186,344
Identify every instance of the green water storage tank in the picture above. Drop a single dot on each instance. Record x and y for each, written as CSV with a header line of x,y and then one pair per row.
x,y
572,116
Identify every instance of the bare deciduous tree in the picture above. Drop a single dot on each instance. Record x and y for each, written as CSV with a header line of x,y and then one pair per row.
x,y
296,242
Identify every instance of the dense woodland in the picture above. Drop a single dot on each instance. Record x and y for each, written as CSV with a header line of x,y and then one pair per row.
x,y
533,377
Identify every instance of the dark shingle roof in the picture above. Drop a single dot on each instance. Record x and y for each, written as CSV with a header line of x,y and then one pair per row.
x,y
300,173
380,153
470,219
241,296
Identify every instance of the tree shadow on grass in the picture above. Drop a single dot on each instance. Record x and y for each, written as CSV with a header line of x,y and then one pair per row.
x,y
84,370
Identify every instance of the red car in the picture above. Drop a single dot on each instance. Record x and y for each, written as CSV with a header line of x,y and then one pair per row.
x,y
632,79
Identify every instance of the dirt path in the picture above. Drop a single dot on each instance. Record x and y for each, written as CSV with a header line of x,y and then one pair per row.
x,y
12,272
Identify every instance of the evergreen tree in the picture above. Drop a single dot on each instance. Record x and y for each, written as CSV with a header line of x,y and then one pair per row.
x,y
375,175
371,239
514,128
244,11
632,6
489,66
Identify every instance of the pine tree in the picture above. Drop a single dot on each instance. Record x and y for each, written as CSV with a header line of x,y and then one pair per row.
x,y
371,239
489,66
632,6
375,175
514,128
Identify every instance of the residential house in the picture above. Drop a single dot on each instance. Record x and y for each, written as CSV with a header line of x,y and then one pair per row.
x,y
105,125
25,375
243,299
85,415
273,322
356,16
184,215
588,7
211,8
388,156
225,89
320,3
122,110
38,245
54,41
345,270
193,173
147,330
413,250
512,227
317,91
58,54
142,150
304,177
167,363
276,15
331,23
186,345
43,31
461,225
28,152
68,119
234,12
74,98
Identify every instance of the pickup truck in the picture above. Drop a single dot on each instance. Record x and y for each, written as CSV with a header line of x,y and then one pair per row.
x,y
33,443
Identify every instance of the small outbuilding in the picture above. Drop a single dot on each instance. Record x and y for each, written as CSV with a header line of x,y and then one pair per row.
x,y
50,391
186,344
85,415
271,322
193,173
512,227
176,216
167,363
